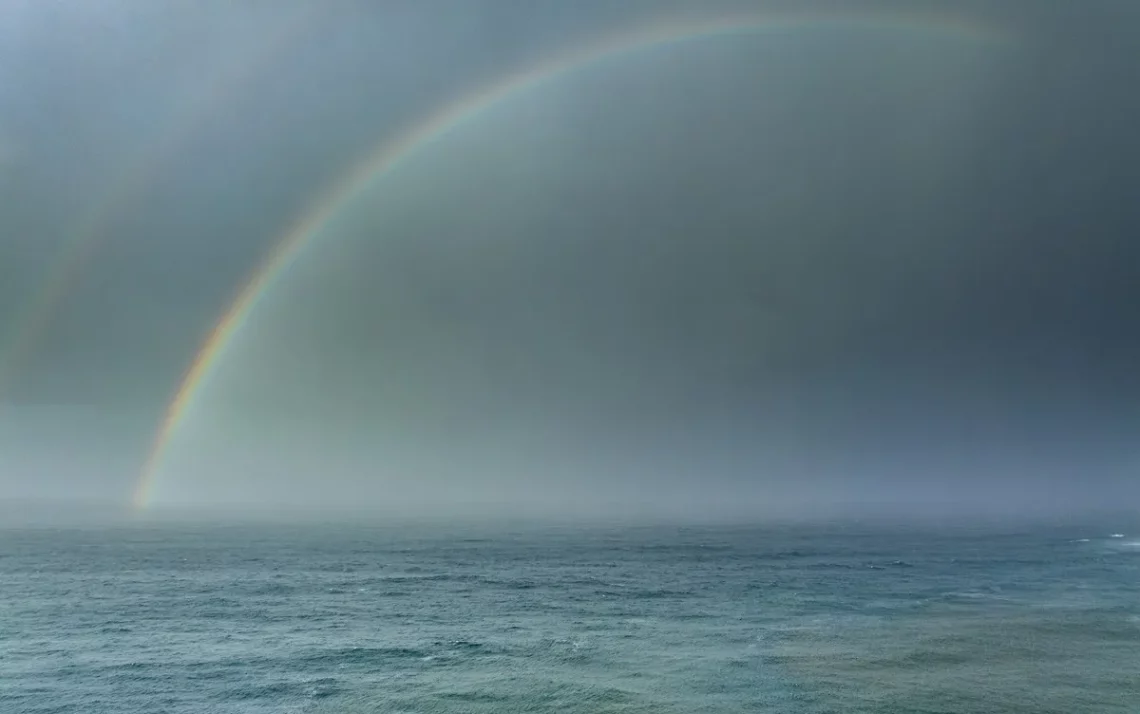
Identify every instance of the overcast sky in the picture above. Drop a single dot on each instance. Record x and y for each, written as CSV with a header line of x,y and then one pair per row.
x,y
744,275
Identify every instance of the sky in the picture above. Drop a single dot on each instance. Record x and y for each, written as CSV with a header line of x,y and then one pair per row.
x,y
887,263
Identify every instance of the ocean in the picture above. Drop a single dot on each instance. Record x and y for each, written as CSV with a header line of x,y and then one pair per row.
x,y
243,619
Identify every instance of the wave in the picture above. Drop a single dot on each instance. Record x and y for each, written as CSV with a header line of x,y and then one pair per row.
x,y
313,689
364,655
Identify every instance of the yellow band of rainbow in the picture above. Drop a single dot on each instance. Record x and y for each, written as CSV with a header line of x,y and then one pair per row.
x,y
393,152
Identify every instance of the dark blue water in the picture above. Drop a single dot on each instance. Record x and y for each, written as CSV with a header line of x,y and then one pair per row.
x,y
372,619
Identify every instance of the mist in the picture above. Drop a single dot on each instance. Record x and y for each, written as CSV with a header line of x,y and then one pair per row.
x,y
830,270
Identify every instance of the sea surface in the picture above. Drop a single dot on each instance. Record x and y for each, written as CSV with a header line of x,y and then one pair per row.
x,y
354,618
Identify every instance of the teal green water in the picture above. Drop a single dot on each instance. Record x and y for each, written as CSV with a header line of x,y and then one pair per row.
x,y
370,619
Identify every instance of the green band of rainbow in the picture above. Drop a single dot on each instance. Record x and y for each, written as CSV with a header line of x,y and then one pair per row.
x,y
392,153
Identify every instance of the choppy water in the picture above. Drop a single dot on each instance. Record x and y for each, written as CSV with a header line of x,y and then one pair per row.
x,y
356,619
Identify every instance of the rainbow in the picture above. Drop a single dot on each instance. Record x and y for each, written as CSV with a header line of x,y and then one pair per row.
x,y
392,153
132,181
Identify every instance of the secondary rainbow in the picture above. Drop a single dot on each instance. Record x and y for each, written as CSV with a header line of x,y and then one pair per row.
x,y
392,153
131,182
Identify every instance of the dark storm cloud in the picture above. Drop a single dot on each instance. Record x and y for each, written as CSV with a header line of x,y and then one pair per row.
x,y
874,279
